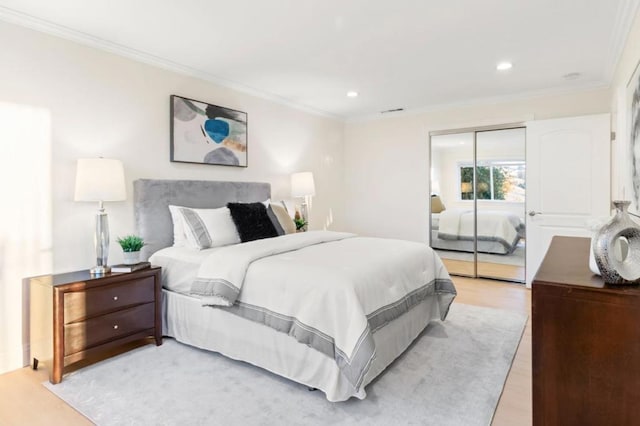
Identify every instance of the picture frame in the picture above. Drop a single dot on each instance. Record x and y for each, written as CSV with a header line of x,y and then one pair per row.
x,y
633,138
204,133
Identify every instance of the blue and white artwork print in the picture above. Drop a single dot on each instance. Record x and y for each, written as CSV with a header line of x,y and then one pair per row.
x,y
207,134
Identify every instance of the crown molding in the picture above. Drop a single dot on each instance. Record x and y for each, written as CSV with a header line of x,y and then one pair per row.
x,y
624,19
18,18
522,96
626,13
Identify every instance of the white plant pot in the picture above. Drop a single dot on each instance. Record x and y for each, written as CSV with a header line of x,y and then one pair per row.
x,y
131,257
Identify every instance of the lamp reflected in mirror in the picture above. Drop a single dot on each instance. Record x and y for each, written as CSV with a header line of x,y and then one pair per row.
x,y
466,190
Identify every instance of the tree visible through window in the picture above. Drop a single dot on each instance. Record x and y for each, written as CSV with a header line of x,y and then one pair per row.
x,y
496,180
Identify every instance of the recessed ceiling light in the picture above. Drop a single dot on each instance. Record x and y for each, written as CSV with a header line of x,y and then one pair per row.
x,y
352,94
503,66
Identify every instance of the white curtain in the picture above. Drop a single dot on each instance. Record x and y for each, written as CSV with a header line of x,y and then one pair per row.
x,y
25,218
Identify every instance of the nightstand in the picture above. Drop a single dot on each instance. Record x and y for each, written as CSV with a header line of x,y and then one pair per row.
x,y
77,316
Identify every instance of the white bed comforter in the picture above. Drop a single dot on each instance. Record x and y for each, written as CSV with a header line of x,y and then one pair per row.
x,y
328,290
499,226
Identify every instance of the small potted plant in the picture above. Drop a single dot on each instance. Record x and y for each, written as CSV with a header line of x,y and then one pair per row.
x,y
131,245
301,222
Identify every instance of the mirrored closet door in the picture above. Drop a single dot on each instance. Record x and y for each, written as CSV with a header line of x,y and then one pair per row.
x,y
478,194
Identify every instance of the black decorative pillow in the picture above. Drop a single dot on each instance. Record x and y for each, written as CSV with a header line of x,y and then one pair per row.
x,y
252,221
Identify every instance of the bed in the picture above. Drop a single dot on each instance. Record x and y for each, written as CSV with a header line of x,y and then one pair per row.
x,y
324,309
498,231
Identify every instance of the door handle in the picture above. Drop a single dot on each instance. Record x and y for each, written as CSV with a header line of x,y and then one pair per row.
x,y
532,213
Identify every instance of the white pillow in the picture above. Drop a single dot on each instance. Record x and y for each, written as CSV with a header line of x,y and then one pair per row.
x,y
289,206
205,228
285,221
179,237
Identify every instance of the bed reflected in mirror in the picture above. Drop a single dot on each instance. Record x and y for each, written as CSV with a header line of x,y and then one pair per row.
x,y
450,195
478,202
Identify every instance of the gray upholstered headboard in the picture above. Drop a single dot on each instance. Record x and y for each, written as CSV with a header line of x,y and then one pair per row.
x,y
152,198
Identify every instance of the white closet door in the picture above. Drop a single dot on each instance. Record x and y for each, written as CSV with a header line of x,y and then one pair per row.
x,y
568,180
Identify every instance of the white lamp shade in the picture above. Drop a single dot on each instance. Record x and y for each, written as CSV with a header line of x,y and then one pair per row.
x,y
435,186
302,184
100,179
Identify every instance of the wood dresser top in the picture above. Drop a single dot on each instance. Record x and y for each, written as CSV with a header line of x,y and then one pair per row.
x,y
84,276
567,264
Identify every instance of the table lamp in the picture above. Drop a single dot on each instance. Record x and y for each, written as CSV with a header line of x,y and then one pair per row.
x,y
302,185
100,179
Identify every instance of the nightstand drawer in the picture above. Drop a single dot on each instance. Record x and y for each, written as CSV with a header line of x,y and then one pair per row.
x,y
84,334
79,305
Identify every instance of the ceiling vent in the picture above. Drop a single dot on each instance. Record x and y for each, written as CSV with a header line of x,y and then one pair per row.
x,y
392,110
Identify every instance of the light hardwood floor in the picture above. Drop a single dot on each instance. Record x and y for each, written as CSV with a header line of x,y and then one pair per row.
x,y
24,401
486,269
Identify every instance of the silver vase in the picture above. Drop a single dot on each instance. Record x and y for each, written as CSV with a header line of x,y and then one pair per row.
x,y
616,248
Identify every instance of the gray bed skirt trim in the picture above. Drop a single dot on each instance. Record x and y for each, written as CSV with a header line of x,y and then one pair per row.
x,y
215,287
508,247
356,367
386,314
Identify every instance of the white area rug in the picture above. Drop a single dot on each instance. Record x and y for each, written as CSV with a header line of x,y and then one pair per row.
x,y
453,374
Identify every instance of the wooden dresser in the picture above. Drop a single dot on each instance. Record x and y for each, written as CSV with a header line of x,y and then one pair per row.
x,y
77,316
586,342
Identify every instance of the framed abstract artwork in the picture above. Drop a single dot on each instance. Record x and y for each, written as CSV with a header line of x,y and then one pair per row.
x,y
633,117
207,134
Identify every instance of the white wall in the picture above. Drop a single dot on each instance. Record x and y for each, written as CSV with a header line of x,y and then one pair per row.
x,y
25,216
102,104
629,60
390,158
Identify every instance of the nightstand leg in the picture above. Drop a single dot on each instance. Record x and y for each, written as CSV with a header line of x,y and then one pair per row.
x,y
158,338
55,375
35,364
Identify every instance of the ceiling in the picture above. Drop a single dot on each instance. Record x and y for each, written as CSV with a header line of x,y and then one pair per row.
x,y
411,54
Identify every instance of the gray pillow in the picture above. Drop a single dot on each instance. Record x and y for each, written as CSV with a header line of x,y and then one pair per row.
x,y
274,221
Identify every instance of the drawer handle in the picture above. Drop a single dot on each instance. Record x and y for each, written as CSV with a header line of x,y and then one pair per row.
x,y
115,297
115,327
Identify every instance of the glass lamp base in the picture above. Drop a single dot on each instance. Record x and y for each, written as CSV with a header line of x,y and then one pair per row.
x,y
100,270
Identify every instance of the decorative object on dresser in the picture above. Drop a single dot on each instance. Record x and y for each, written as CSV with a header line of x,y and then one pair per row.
x,y
130,267
616,248
586,342
77,316
100,179
594,225
131,246
303,186
207,134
